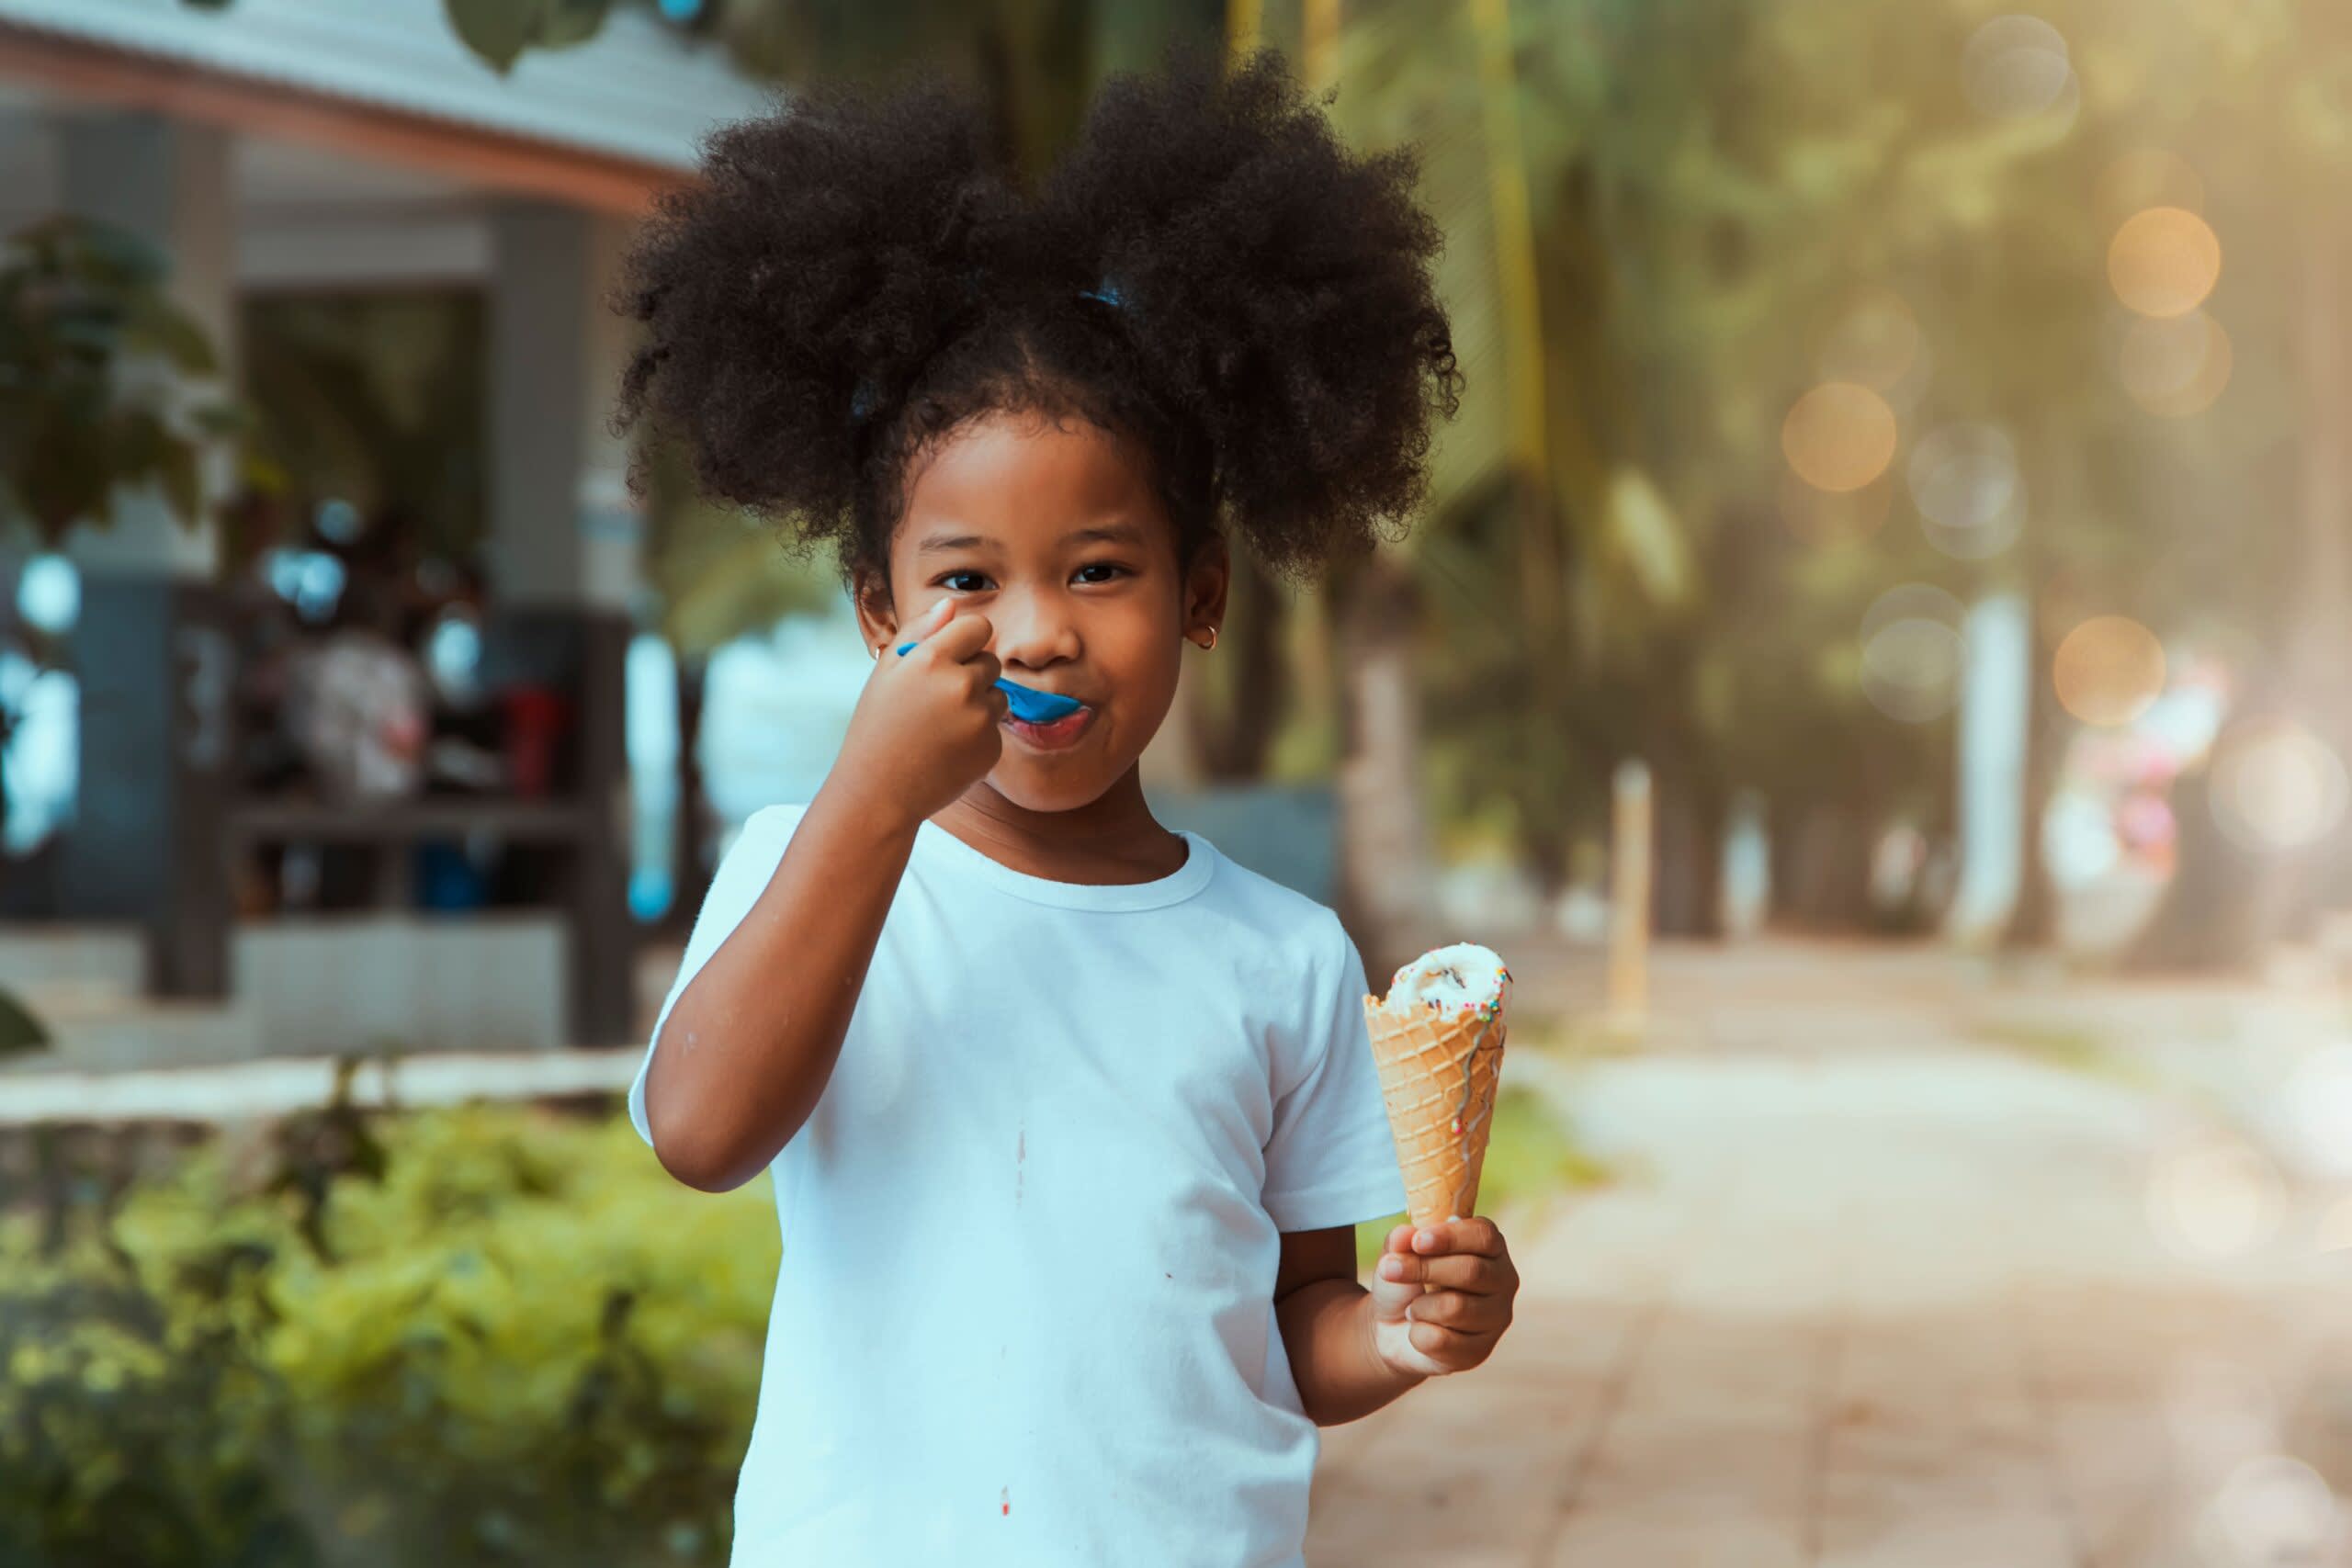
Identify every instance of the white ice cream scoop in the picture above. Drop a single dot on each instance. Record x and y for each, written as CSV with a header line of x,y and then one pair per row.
x,y
1450,979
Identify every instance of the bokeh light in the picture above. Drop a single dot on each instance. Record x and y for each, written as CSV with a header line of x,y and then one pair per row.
x,y
2015,66
2316,1104
2174,365
2219,1412
1874,342
1913,652
1964,479
2163,262
2273,1509
1839,436
2079,840
2335,1230
2214,1201
2145,177
49,593
2109,670
2277,786
1834,518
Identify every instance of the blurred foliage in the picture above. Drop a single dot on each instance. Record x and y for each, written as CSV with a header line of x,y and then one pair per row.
x,y
457,1336
1663,224
379,399
476,1345
718,572
99,378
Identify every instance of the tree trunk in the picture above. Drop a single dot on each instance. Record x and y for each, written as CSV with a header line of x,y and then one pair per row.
x,y
2226,906
2033,923
1821,865
2208,918
1384,865
1687,886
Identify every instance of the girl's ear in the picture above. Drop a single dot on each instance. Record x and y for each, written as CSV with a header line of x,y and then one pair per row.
x,y
1204,585
878,619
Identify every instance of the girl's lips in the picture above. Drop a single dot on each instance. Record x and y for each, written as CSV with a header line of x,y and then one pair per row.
x,y
1058,736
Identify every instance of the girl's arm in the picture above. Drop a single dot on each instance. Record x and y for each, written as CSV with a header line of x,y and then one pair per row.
x,y
1326,1319
752,1042
754,1035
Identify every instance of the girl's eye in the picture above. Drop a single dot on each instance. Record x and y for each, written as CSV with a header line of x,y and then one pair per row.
x,y
948,580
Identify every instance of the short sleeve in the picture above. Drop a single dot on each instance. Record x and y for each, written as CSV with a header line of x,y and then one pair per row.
x,y
743,874
1331,1160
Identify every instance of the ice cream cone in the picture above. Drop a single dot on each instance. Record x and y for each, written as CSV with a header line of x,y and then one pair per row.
x,y
1438,1039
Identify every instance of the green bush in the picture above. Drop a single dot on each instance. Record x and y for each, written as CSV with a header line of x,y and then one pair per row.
x,y
483,1337
516,1341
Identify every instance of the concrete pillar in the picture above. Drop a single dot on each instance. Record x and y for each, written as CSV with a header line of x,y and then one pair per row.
x,y
152,646
1995,707
564,559
563,530
169,183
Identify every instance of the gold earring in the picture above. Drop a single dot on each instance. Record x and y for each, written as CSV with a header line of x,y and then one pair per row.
x,y
1212,642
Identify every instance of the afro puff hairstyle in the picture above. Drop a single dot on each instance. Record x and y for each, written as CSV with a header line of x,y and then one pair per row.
x,y
1209,272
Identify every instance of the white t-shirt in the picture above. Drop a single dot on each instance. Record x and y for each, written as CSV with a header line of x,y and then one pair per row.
x,y
1025,1310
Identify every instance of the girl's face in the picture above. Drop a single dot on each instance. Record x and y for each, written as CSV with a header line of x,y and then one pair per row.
x,y
1053,532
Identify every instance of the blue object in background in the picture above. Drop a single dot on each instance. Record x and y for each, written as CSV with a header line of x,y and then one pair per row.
x,y
1028,706
446,878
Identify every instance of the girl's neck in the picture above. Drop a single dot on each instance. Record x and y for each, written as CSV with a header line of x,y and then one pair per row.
x,y
1111,840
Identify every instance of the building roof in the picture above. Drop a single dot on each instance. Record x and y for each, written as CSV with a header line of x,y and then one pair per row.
x,y
640,91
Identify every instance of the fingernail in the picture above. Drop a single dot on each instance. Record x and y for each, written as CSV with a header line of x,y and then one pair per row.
x,y
1392,1268
1425,1239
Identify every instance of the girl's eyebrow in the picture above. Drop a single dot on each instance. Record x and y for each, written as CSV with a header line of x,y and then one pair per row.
x,y
1109,534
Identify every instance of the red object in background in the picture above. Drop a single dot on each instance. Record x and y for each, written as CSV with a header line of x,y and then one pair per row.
x,y
536,718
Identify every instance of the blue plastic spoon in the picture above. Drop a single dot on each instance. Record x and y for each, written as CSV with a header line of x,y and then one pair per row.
x,y
1028,706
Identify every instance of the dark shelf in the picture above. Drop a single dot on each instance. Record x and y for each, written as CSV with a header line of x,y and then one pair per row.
x,y
273,822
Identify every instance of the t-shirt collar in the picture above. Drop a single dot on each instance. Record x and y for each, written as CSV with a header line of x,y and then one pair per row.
x,y
1177,886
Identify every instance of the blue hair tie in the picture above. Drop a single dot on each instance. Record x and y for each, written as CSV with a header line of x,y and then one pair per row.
x,y
1108,294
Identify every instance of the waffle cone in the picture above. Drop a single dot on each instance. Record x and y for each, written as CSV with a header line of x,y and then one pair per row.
x,y
1425,1059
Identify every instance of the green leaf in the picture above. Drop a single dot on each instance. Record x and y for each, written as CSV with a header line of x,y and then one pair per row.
x,y
501,30
570,22
156,325
497,30
19,1030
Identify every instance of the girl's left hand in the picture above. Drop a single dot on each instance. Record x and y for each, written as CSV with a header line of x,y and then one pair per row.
x,y
1454,1324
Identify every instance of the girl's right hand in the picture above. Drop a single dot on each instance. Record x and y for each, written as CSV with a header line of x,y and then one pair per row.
x,y
924,729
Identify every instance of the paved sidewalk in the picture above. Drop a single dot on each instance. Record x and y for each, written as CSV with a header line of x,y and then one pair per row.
x,y
1871,1296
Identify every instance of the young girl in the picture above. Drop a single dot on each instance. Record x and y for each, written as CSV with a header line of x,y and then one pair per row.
x,y
1070,1118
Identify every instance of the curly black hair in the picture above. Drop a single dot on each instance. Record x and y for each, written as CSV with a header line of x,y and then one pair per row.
x,y
1209,272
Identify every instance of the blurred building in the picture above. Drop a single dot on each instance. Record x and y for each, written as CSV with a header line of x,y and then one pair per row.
x,y
289,148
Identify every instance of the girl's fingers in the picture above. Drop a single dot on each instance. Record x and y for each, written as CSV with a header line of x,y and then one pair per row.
x,y
933,616
1461,1271
1452,1309
1448,1344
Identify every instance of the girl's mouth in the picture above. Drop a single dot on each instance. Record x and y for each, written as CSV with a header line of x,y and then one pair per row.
x,y
1058,736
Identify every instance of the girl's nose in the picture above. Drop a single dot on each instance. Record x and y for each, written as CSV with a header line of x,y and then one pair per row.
x,y
1031,631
